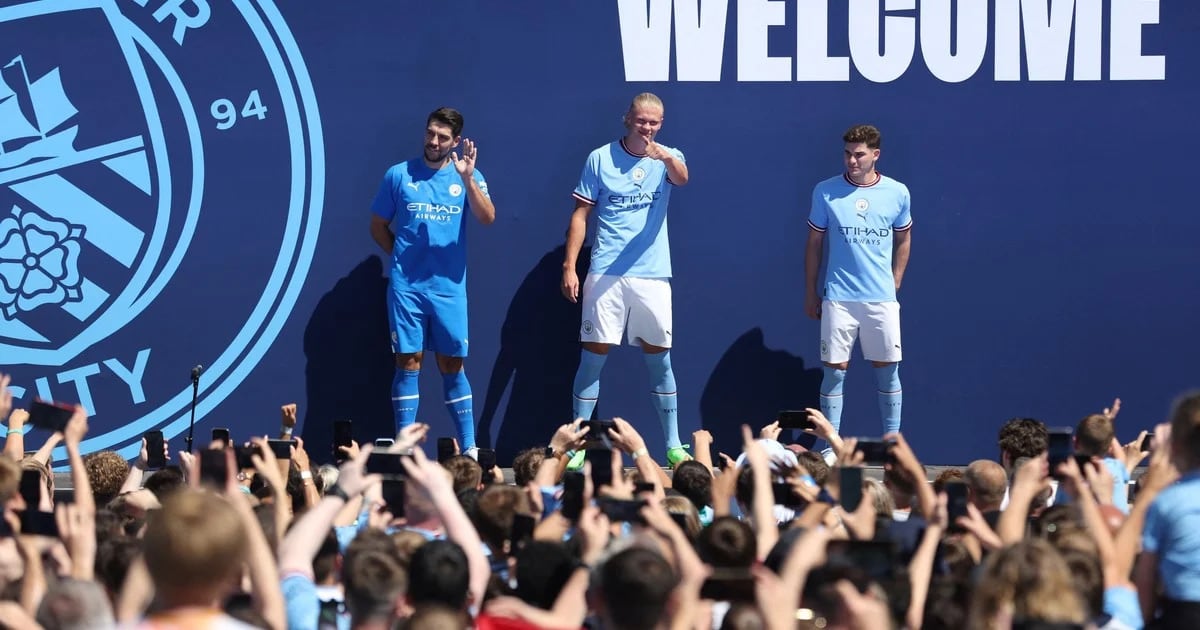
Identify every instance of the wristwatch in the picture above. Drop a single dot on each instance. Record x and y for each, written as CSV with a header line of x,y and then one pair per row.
x,y
550,453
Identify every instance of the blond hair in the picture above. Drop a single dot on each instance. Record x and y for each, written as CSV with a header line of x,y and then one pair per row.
x,y
1032,581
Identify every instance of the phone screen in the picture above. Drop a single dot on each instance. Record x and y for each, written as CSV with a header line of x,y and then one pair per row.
x,y
50,415
281,448
393,491
522,529
155,456
795,420
1058,447
850,487
445,448
622,510
222,435
386,464
875,451
956,502
31,488
572,496
214,468
601,460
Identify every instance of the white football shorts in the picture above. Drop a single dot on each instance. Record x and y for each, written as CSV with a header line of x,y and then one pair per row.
x,y
640,307
876,324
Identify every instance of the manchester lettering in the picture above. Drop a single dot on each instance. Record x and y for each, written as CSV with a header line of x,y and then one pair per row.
x,y
1039,35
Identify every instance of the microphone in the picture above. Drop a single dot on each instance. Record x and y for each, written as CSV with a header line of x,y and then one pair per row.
x,y
196,372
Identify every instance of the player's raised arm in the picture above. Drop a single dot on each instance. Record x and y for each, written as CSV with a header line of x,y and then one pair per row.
x,y
677,170
477,195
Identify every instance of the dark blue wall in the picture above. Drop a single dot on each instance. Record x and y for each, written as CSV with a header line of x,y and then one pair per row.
x,y
1052,264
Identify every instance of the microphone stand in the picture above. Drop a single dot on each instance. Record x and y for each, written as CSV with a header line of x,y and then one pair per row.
x,y
195,395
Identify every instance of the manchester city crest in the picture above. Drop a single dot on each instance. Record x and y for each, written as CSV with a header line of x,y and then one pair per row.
x,y
120,191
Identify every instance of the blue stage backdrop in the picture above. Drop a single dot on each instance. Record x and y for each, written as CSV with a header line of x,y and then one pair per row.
x,y
187,182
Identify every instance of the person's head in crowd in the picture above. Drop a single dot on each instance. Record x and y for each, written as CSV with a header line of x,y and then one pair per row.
x,y
71,604
466,473
468,499
947,474
109,524
727,542
1094,435
694,481
686,510
114,556
189,545
634,588
815,465
407,542
986,484
10,485
1029,580
526,464
375,586
418,507
30,463
328,475
874,491
438,574
494,512
1082,555
902,489
946,603
106,471
1056,520
163,482
542,569
1185,431
1021,437
437,617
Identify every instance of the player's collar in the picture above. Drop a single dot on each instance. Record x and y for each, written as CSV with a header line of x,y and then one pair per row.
x,y
629,151
878,178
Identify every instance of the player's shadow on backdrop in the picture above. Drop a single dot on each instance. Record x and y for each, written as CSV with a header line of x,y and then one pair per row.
x,y
539,353
750,385
348,361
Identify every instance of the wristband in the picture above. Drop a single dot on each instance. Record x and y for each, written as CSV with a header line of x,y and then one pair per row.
x,y
638,453
286,431
337,491
306,474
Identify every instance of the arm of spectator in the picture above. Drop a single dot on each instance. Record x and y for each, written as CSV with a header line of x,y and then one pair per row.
x,y
823,429
429,477
626,438
78,532
350,511
1145,580
304,465
724,486
137,472
304,539
16,618
691,570
287,420
409,437
1071,477
981,534
77,427
766,530
920,567
703,441
46,450
33,584
1159,474
265,465
260,561
1134,454
1029,480
137,593
907,460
